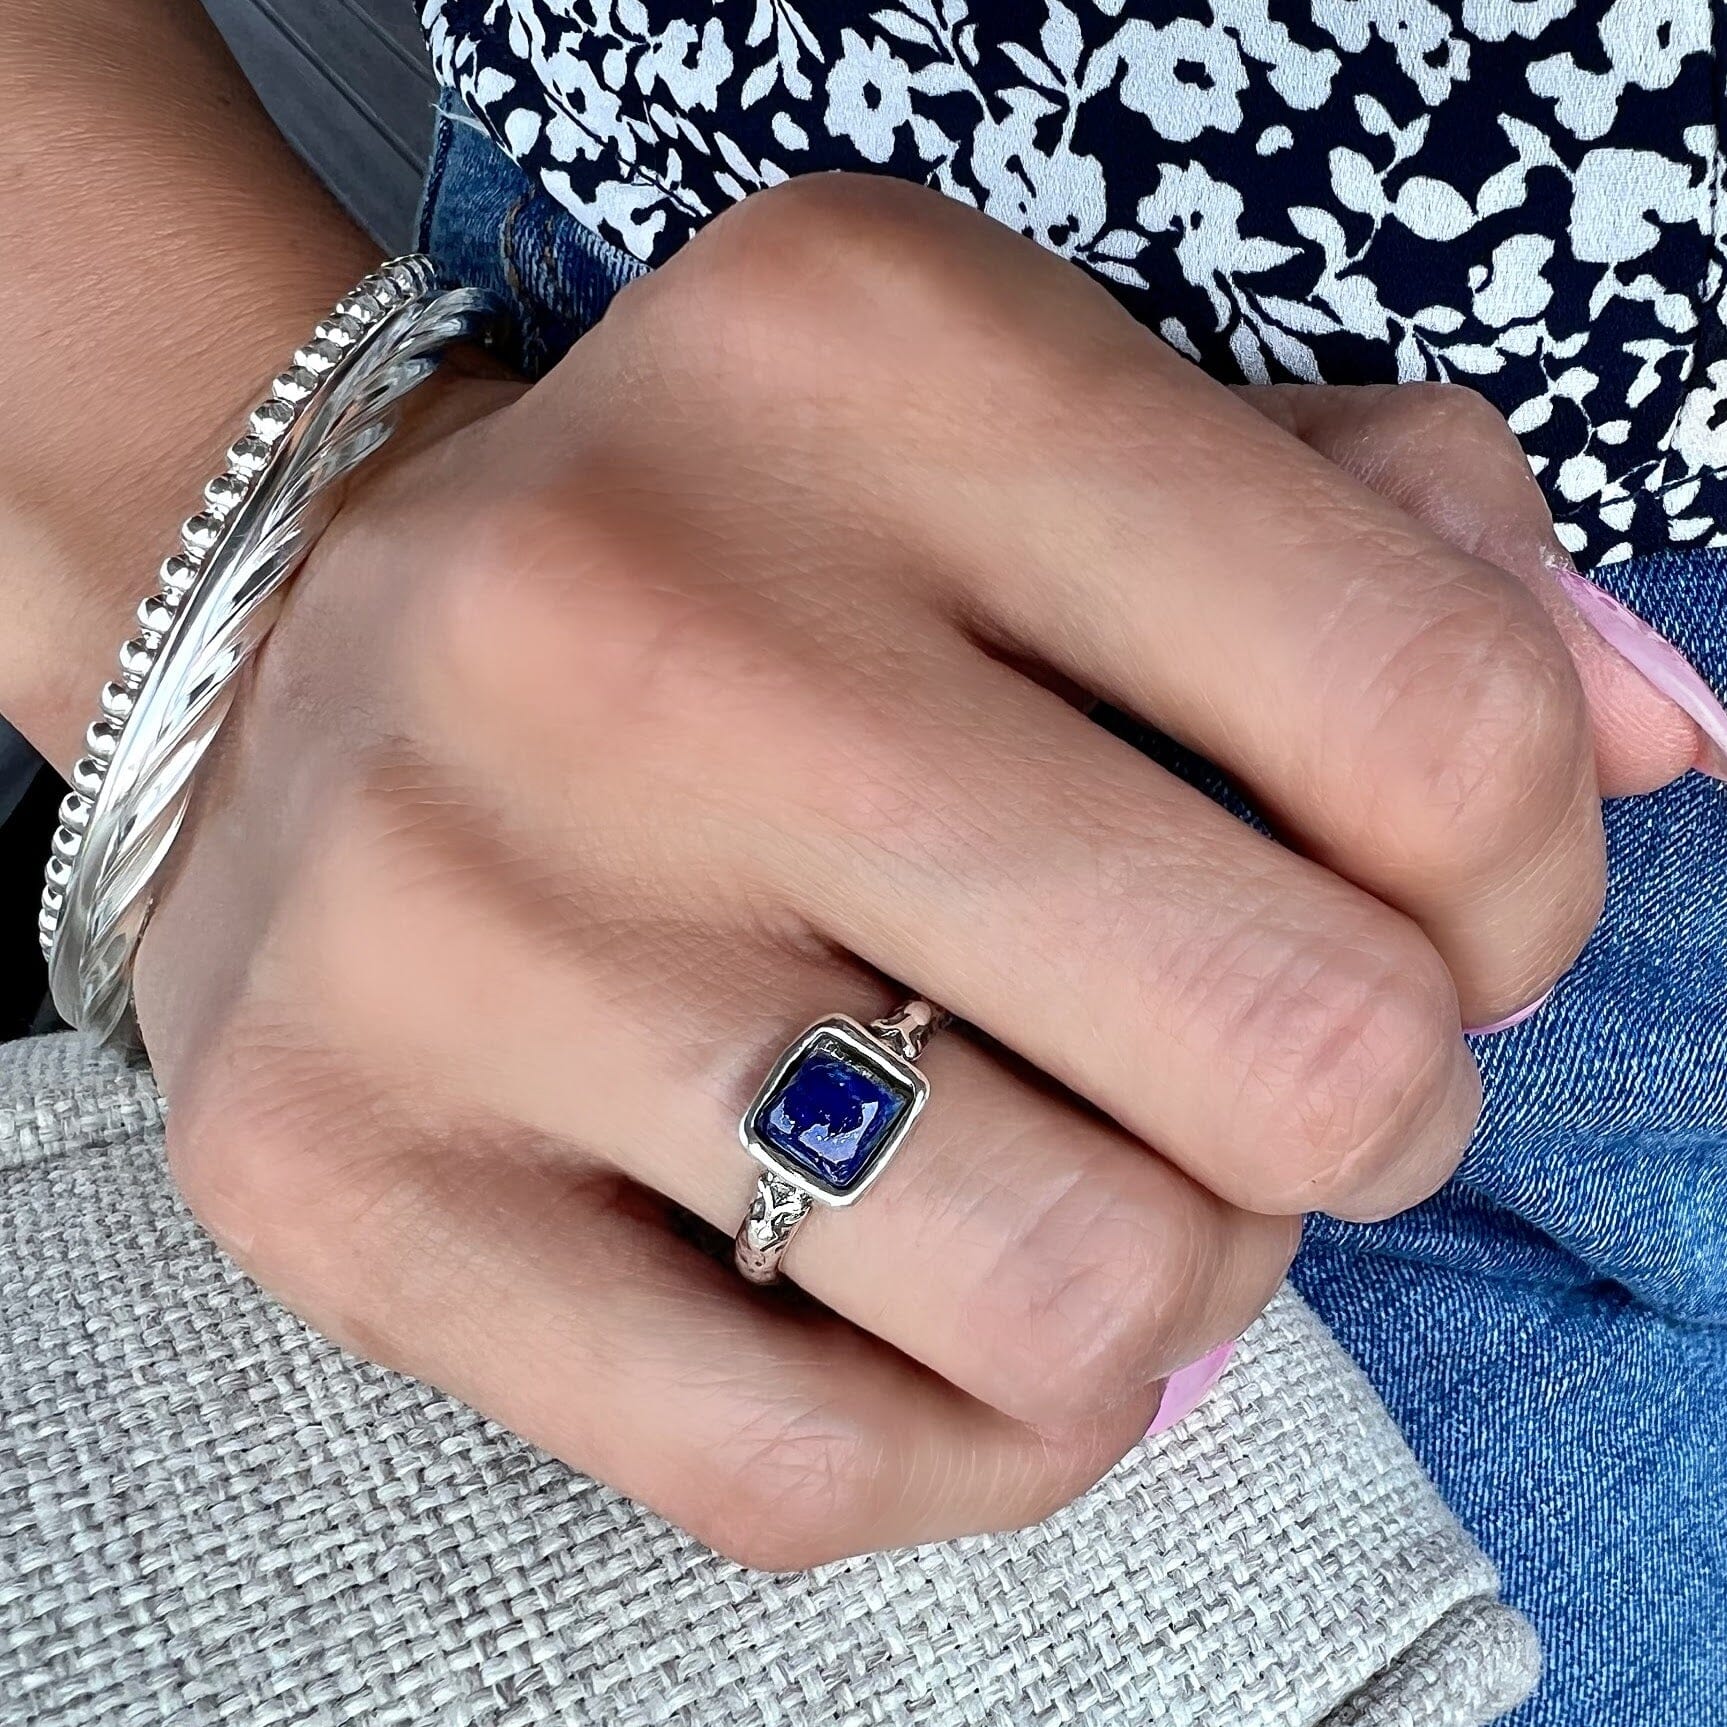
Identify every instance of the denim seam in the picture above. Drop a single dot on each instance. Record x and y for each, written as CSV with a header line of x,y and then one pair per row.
x,y
442,138
528,320
555,287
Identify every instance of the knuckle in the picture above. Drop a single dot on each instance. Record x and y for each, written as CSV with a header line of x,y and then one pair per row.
x,y
822,229
240,1161
797,1489
1480,738
559,614
1446,418
1352,1050
273,1157
787,282
586,633
1110,1281
496,592
1093,1298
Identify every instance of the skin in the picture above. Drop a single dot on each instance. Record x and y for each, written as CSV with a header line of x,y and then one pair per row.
x,y
621,726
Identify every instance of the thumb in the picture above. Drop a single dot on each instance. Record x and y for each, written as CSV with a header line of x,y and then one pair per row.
x,y
1444,455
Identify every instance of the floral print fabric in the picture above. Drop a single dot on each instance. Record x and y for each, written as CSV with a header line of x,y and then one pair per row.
x,y
1519,195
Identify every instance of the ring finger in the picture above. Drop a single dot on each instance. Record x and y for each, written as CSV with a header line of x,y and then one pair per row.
x,y
1027,1250
556,1299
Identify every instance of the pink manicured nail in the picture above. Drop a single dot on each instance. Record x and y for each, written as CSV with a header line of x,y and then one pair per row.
x,y
1665,668
1510,1019
1186,1388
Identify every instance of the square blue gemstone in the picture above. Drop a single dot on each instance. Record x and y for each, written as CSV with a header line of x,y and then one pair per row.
x,y
831,1115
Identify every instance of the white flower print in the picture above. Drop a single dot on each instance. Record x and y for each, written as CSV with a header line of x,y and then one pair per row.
x,y
1525,195
1428,54
1621,200
632,209
869,96
1496,20
1053,194
1511,289
1206,215
1182,76
1301,75
1699,435
1645,41
588,120
691,67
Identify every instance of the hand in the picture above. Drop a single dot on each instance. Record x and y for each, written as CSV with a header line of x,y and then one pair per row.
x,y
633,721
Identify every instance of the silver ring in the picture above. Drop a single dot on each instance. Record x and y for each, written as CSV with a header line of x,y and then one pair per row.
x,y
827,1121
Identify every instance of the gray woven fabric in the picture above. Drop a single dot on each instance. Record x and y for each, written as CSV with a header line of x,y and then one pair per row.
x,y
209,1514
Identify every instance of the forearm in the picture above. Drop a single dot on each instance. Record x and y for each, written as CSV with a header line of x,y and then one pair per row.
x,y
163,252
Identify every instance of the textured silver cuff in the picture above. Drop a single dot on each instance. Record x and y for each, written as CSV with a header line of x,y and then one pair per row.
x,y
219,594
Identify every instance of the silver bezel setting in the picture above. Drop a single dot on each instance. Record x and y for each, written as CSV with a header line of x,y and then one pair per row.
x,y
870,1052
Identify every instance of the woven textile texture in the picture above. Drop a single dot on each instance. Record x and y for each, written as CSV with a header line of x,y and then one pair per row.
x,y
209,1514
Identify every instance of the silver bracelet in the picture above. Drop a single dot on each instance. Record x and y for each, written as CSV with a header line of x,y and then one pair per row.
x,y
219,595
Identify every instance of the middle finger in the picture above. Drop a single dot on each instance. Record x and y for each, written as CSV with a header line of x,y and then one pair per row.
x,y
1405,712
1287,1039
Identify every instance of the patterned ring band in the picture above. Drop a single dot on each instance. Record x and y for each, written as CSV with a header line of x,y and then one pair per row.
x,y
827,1121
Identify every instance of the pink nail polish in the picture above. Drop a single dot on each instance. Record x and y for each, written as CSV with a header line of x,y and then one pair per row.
x,y
1186,1388
1510,1019
1649,652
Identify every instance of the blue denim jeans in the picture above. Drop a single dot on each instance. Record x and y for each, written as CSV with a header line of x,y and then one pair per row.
x,y
1551,1330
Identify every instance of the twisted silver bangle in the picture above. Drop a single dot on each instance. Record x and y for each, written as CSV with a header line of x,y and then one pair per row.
x,y
219,595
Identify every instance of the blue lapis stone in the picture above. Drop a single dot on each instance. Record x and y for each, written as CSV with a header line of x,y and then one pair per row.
x,y
831,1115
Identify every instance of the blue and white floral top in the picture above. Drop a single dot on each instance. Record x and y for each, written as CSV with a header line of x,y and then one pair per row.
x,y
1520,195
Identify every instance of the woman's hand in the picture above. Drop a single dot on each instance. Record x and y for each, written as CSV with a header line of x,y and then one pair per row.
x,y
649,714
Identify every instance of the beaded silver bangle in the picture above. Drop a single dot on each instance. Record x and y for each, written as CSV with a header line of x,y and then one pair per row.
x,y
218,595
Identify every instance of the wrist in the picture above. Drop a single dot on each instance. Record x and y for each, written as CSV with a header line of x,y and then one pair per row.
x,y
170,251
97,477
332,405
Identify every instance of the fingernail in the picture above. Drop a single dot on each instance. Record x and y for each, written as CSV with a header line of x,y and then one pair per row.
x,y
1186,1388
1649,652
1510,1019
